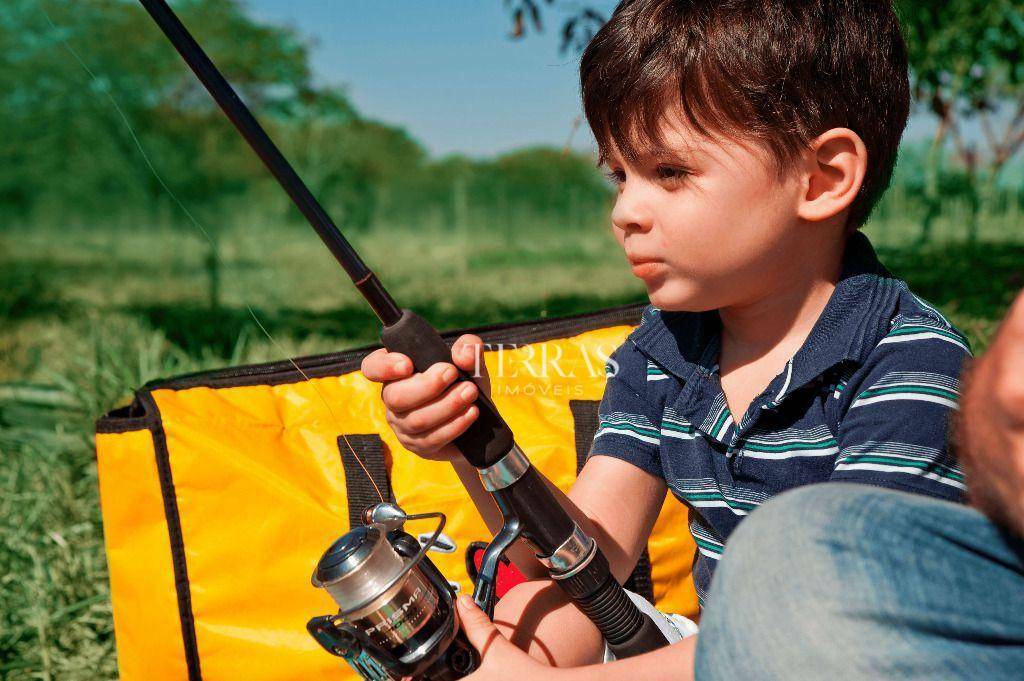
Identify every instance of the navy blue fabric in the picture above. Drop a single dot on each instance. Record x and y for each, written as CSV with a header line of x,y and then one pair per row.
x,y
867,399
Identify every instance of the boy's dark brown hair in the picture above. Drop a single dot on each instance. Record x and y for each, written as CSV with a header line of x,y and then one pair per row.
x,y
776,72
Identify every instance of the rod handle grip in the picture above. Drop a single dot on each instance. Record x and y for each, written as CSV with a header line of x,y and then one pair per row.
x,y
488,438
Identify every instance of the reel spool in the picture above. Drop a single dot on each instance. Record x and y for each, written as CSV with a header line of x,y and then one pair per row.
x,y
396,614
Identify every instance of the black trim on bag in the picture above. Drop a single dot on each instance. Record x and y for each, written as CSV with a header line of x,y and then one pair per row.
x,y
173,518
585,423
359,491
320,366
135,416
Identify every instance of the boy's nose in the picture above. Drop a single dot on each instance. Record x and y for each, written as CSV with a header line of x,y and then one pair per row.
x,y
631,212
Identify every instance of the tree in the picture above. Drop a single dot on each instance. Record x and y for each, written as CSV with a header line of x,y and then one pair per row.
x,y
350,164
966,64
66,151
59,123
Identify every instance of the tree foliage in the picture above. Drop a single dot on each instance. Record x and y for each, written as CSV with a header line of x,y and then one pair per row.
x,y
68,154
967,62
967,68
67,148
579,24
60,122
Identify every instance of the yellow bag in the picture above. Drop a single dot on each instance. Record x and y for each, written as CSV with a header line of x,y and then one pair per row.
x,y
221,490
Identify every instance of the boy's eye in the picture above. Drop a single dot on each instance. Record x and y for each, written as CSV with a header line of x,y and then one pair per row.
x,y
663,172
672,173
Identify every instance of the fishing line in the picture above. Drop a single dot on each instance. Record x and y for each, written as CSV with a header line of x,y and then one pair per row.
x,y
100,86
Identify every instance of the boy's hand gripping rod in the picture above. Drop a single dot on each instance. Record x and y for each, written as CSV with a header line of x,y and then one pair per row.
x,y
529,508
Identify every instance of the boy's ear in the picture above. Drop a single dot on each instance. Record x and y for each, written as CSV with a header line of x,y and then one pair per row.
x,y
837,161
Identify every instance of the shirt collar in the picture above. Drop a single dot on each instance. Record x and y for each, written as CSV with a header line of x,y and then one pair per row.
x,y
855,318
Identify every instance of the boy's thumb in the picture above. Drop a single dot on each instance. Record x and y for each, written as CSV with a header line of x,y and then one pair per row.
x,y
479,630
467,351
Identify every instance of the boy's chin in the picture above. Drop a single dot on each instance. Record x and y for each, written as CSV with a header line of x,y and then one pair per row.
x,y
677,297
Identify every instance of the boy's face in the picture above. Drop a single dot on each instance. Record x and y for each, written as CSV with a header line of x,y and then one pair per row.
x,y
716,224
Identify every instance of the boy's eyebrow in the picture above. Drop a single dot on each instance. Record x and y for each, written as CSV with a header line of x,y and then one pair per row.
x,y
658,156
675,158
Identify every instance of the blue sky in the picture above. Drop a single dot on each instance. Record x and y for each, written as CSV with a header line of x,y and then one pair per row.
x,y
447,71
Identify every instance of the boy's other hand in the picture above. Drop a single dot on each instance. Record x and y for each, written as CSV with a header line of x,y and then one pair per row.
x,y
992,425
428,410
499,658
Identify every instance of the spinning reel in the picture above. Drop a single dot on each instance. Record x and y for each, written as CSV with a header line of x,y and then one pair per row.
x,y
397,614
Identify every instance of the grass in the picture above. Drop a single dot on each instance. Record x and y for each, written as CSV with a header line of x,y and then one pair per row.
x,y
89,314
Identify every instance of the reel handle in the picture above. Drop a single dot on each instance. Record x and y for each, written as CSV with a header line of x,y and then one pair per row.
x,y
488,438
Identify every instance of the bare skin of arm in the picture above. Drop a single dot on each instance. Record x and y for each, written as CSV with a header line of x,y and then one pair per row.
x,y
503,660
991,425
621,503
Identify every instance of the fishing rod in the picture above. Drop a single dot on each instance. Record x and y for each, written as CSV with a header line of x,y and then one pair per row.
x,y
396,615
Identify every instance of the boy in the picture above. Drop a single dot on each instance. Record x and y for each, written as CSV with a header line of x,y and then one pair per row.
x,y
748,140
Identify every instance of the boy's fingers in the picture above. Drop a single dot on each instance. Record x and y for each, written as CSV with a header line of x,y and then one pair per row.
x,y
480,631
437,412
465,351
381,365
418,389
441,436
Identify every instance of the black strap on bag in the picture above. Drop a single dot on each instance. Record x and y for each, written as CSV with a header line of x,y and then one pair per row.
x,y
360,491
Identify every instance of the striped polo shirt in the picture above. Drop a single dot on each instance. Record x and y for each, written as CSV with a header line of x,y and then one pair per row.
x,y
866,399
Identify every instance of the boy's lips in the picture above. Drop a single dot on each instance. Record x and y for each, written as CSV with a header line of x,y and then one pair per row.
x,y
645,268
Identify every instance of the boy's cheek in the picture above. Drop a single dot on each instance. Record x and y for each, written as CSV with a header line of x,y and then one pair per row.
x,y
726,264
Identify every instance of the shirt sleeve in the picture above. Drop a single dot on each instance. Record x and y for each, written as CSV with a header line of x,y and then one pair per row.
x,y
628,423
895,430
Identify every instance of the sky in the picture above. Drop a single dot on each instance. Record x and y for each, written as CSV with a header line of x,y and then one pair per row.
x,y
446,70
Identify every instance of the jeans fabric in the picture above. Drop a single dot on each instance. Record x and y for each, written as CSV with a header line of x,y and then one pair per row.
x,y
839,581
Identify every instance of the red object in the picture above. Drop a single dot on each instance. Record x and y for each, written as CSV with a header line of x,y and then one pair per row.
x,y
508,574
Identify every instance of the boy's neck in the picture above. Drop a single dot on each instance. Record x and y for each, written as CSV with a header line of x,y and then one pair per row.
x,y
777,323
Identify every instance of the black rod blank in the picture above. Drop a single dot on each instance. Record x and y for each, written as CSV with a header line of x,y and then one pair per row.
x,y
365,280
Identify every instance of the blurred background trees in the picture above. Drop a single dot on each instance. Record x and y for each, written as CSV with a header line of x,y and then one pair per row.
x,y
967,60
67,158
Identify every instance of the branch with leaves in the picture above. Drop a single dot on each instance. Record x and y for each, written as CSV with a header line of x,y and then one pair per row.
x,y
579,24
967,62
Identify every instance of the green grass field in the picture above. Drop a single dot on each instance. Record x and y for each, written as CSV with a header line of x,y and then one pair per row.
x,y
87,314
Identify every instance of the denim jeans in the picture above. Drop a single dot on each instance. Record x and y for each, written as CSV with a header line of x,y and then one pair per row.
x,y
839,581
